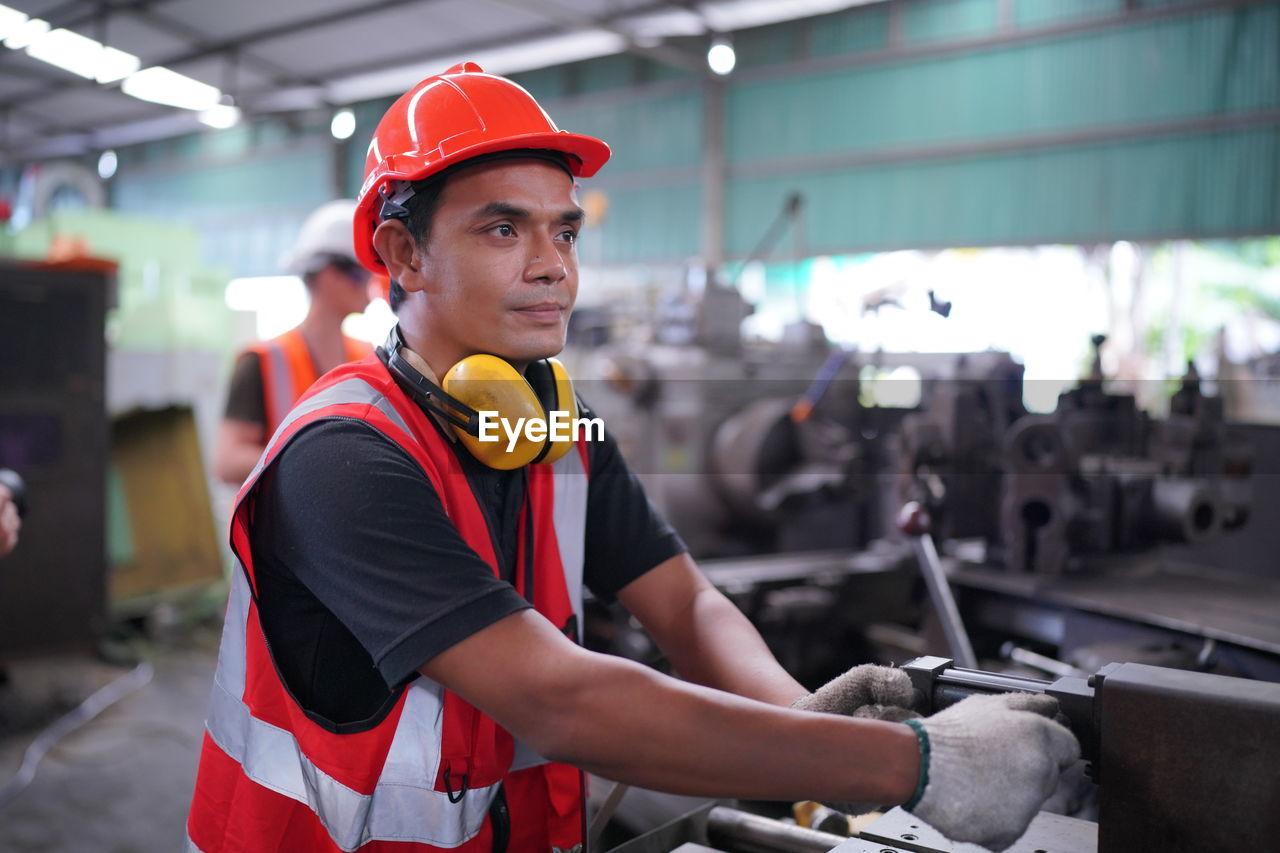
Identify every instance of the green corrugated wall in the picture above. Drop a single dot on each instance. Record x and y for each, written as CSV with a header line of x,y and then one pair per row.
x,y
937,123
905,123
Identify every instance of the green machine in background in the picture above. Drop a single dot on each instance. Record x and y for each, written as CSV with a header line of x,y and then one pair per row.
x,y
169,339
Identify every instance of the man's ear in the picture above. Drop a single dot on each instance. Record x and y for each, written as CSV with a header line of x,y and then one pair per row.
x,y
399,251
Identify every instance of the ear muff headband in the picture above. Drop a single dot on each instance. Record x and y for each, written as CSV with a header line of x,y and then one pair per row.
x,y
486,383
425,392
550,380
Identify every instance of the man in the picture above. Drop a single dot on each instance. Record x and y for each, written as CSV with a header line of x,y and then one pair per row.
x,y
399,668
270,376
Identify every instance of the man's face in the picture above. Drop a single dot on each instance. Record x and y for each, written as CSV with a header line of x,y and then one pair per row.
x,y
499,269
343,284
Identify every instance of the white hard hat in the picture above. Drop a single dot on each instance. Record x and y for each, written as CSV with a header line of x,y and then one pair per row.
x,y
327,232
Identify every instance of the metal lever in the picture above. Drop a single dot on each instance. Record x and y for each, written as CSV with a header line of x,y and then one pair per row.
x,y
915,523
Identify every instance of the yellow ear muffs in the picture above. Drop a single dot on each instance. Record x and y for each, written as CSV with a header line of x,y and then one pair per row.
x,y
494,388
561,399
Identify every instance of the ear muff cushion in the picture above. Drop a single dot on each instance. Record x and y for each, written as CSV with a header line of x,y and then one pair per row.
x,y
559,395
486,383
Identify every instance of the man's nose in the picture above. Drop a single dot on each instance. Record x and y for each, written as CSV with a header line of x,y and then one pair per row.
x,y
546,264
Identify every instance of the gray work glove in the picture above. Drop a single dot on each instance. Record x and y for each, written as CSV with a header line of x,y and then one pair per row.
x,y
987,765
870,691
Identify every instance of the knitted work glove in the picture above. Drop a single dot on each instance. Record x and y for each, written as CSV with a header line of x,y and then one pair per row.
x,y
987,764
871,691
868,691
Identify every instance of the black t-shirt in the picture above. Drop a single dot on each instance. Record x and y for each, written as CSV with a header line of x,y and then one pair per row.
x,y
246,399
362,578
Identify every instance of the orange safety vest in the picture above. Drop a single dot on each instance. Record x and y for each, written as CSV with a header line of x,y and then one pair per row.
x,y
435,772
288,371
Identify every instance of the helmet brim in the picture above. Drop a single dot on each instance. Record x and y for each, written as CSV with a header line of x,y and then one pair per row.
x,y
586,155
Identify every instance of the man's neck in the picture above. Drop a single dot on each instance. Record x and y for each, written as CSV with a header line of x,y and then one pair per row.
x,y
440,359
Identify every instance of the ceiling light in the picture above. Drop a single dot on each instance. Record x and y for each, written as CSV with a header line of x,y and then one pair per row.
x,y
10,20
221,116
68,51
163,86
343,124
26,33
107,164
720,56
115,65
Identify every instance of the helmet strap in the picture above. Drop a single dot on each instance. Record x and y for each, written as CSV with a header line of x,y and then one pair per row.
x,y
393,203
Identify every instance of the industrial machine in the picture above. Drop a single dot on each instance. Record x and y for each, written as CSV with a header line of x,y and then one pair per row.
x,y
1183,763
53,432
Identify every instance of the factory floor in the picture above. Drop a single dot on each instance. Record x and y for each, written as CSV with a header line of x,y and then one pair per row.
x,y
121,783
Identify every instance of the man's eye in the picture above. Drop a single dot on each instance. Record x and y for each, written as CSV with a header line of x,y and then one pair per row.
x,y
569,236
503,230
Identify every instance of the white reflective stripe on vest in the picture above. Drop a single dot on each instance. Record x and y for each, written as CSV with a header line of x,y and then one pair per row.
x,y
281,379
347,391
403,806
569,513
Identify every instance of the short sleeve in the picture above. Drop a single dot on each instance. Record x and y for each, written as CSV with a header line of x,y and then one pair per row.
x,y
246,400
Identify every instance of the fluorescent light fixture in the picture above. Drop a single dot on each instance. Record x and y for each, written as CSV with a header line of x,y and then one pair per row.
x,y
115,65
721,57
107,164
10,20
553,50
26,33
68,51
728,15
343,124
160,85
664,24
373,325
279,301
221,116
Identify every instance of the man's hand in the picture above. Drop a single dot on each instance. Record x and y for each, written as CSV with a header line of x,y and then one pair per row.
x,y
988,763
10,523
869,691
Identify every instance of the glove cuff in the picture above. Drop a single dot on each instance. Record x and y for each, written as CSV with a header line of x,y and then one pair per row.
x,y
922,781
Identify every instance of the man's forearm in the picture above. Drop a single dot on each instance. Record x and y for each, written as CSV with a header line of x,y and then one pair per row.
x,y
704,636
633,724
722,649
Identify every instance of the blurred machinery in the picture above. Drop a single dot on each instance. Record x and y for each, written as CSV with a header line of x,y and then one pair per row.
x,y
53,432
1096,478
1182,763
1060,531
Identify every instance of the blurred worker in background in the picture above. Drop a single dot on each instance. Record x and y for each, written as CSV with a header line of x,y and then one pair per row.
x,y
10,520
271,375
400,666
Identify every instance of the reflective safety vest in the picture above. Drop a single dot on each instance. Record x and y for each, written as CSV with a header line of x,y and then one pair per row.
x,y
288,371
434,772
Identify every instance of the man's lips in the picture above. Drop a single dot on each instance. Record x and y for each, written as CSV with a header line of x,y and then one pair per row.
x,y
548,311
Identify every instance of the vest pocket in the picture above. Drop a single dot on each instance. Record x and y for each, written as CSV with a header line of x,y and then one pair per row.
x,y
475,752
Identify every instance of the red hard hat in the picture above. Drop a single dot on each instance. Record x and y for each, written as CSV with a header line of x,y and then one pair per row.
x,y
449,118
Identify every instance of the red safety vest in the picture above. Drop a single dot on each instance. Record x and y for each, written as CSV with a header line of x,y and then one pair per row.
x,y
435,772
288,371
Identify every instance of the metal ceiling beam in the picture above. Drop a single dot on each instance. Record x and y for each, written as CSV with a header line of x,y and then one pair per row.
x,y
417,57
234,44
570,20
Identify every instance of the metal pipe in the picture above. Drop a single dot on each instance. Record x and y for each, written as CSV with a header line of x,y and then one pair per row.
x,y
766,834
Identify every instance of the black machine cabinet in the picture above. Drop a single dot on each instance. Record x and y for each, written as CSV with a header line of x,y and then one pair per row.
x,y
54,433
